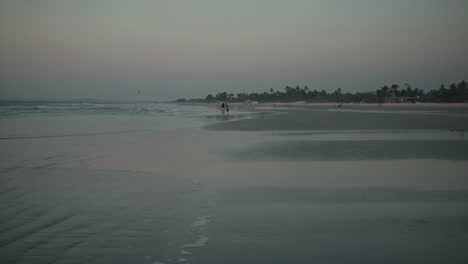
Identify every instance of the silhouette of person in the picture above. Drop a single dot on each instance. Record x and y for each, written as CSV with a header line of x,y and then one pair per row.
x,y
223,109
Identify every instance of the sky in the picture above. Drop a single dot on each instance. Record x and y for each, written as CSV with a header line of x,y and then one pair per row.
x,y
113,49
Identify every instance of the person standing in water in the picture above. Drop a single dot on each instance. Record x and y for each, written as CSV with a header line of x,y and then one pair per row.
x,y
227,108
223,109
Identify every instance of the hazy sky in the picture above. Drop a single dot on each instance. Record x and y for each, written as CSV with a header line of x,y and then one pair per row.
x,y
111,49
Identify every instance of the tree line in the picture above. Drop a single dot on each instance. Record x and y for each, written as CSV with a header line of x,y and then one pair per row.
x,y
454,93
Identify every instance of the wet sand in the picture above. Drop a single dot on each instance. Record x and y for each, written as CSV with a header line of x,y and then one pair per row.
x,y
327,185
354,117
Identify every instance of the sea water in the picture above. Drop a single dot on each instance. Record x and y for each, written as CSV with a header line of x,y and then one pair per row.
x,y
56,207
21,119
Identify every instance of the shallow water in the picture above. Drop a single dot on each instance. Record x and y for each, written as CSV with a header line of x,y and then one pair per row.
x,y
307,232
354,150
99,216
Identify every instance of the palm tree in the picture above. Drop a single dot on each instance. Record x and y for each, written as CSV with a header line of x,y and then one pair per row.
x,y
395,91
418,92
385,92
409,90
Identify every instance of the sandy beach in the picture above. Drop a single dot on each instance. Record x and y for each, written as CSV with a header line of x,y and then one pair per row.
x,y
269,185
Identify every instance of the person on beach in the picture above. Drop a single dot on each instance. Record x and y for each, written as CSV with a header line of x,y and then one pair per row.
x,y
379,101
223,109
227,108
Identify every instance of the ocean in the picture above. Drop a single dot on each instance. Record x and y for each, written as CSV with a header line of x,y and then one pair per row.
x,y
156,183
56,209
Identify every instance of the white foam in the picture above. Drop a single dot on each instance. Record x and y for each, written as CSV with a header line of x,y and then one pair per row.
x,y
157,262
202,220
201,242
185,252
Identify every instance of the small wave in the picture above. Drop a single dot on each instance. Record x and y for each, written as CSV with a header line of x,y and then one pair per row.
x,y
39,107
86,108
202,221
201,242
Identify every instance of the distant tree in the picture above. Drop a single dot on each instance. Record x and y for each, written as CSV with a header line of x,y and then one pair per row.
x,y
418,92
378,92
453,92
315,93
222,96
394,89
457,92
385,91
209,98
289,96
336,95
242,97
337,92
462,91
408,91
444,93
